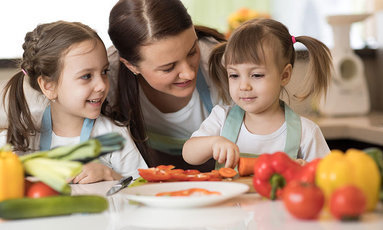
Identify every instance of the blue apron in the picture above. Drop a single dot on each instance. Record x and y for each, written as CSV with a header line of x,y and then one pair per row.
x,y
46,130
234,122
172,145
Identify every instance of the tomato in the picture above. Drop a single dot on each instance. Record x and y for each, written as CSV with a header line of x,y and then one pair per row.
x,y
347,202
27,185
154,174
40,189
303,200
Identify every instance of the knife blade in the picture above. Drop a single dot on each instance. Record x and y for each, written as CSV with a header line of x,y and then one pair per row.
x,y
121,184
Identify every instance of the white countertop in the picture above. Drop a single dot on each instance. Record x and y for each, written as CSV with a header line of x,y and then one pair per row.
x,y
248,211
368,128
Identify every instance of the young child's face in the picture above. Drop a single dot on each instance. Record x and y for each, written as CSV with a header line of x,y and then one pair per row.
x,y
255,87
83,84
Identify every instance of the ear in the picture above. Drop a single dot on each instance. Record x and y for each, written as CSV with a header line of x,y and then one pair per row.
x,y
130,66
47,87
286,74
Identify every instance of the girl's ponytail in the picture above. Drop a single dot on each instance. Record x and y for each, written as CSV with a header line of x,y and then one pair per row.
x,y
320,67
218,72
20,123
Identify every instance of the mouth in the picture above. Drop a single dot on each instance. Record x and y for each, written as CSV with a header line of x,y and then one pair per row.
x,y
183,84
94,101
247,98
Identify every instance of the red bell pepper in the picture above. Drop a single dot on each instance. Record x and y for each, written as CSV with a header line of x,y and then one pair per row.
x,y
307,173
272,172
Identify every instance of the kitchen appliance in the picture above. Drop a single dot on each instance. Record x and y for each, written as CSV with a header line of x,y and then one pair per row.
x,y
347,93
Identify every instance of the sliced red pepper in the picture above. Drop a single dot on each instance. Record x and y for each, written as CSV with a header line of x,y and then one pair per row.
x,y
154,174
272,172
198,177
166,167
192,171
188,192
178,175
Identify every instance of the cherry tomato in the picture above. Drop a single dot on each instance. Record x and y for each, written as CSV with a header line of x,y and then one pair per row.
x,y
40,189
347,202
303,200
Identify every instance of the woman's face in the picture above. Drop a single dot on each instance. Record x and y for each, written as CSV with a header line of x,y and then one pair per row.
x,y
170,65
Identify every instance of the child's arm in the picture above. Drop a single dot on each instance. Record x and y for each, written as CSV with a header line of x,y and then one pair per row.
x,y
94,172
198,150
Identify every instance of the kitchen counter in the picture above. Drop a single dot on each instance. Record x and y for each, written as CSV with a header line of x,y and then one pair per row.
x,y
368,128
247,211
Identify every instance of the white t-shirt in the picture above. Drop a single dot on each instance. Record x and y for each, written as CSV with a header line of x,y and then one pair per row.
x,y
126,162
313,144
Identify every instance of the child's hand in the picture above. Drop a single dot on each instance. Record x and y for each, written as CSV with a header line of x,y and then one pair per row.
x,y
226,151
94,172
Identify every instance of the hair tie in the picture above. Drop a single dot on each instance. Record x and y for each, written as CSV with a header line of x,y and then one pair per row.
x,y
293,39
24,72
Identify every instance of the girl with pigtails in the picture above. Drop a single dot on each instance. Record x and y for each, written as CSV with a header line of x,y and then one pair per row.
x,y
257,63
67,63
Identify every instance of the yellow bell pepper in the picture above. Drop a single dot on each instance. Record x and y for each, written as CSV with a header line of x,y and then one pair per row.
x,y
354,167
11,176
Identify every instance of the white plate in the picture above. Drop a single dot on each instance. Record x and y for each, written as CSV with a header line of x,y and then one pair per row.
x,y
146,193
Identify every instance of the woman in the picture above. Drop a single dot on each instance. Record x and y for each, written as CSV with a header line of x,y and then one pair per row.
x,y
160,85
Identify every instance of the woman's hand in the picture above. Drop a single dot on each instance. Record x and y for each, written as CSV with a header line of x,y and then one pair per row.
x,y
94,172
225,151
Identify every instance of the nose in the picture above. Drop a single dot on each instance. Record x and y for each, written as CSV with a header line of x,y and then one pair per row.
x,y
187,71
244,84
101,83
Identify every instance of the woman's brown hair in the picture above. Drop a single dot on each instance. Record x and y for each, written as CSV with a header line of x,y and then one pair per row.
x,y
44,48
132,24
248,44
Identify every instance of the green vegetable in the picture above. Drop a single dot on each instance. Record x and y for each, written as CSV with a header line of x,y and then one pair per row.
x,y
137,182
56,166
51,206
377,155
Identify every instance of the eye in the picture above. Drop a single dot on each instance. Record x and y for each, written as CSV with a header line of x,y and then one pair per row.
x,y
192,53
233,75
169,69
86,76
257,75
105,71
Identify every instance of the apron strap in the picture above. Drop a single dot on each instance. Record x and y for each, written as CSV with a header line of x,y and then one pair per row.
x,y
294,132
46,129
203,91
231,127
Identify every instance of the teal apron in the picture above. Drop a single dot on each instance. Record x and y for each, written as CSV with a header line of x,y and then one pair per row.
x,y
172,145
234,121
46,130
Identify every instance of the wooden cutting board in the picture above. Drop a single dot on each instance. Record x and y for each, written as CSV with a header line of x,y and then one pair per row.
x,y
245,180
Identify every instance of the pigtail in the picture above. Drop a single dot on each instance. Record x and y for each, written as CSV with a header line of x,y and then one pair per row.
x,y
319,70
20,123
218,72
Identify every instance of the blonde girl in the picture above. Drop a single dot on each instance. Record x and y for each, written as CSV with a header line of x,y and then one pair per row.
x,y
257,63
67,63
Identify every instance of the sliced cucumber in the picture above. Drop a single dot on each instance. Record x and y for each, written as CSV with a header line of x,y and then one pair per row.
x,y
51,206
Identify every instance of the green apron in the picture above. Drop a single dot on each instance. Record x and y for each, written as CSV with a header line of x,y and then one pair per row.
x,y
234,121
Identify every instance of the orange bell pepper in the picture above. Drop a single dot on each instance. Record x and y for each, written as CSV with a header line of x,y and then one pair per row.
x,y
11,175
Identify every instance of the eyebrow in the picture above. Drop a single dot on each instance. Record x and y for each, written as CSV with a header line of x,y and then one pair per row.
x,y
91,69
171,63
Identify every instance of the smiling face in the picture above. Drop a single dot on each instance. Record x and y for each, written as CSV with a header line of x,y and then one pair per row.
x,y
83,83
256,87
170,65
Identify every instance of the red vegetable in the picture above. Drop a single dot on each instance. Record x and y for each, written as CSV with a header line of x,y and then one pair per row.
x,y
227,172
347,203
154,174
272,172
40,189
307,172
303,200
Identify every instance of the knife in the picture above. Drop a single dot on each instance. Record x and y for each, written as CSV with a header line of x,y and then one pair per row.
x,y
122,183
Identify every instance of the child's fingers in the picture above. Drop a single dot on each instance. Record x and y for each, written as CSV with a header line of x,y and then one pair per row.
x,y
222,156
230,158
79,177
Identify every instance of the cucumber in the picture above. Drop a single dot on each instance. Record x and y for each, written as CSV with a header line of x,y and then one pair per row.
x,y
51,206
